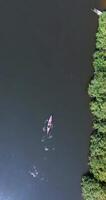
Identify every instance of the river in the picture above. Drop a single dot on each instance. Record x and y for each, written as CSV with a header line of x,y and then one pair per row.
x,y
46,52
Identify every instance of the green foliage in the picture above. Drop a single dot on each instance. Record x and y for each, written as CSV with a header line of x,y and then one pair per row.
x,y
101,34
97,158
95,188
100,126
92,190
99,62
97,87
98,109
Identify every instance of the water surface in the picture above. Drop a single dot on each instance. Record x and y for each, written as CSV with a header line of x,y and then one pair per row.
x,y
45,65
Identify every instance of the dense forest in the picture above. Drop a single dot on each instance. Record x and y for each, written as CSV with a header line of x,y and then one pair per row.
x,y
94,183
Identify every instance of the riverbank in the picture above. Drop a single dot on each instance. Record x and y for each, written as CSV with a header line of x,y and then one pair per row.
x,y
94,183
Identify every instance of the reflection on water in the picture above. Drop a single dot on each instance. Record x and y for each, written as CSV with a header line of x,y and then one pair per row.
x,y
34,172
38,175
47,145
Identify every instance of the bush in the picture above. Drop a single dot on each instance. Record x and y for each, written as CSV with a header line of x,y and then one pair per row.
x,y
99,62
97,87
92,190
97,158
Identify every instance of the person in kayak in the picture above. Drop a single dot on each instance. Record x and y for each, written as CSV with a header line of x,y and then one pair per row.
x,y
48,126
98,12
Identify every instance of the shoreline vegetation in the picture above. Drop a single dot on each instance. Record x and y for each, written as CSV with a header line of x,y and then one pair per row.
x,y
94,182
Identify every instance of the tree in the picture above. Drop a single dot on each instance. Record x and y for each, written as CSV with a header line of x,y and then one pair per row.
x,y
97,87
101,34
93,190
98,109
100,126
97,158
99,61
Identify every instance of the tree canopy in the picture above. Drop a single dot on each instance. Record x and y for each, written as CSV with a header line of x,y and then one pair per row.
x,y
97,158
97,87
95,188
92,190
